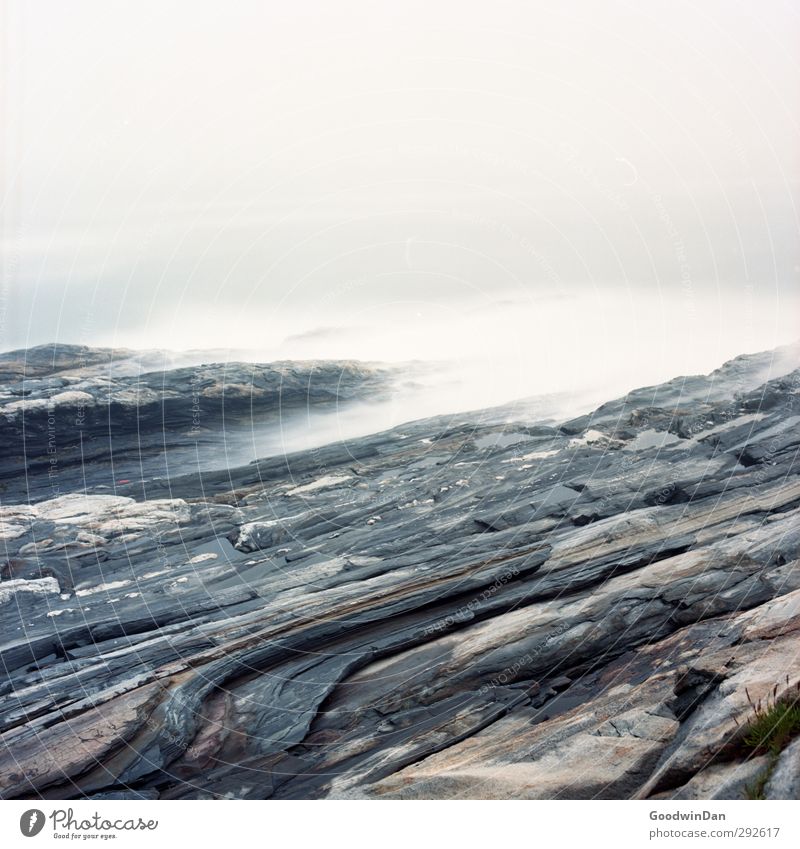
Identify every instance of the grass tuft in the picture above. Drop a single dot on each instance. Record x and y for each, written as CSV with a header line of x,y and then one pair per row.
x,y
774,723
772,726
755,790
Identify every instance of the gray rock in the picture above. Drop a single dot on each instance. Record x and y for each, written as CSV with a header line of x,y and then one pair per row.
x,y
784,781
459,606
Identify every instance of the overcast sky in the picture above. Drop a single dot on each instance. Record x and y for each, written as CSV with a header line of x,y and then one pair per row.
x,y
389,180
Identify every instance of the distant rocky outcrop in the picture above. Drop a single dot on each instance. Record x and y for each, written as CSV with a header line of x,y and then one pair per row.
x,y
450,609
69,405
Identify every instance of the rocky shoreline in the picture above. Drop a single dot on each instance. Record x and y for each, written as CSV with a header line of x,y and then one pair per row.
x,y
68,408
460,607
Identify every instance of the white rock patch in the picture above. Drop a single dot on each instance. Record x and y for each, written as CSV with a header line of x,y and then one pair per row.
x,y
39,586
321,483
111,585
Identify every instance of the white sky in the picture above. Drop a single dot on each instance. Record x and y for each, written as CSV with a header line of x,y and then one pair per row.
x,y
397,180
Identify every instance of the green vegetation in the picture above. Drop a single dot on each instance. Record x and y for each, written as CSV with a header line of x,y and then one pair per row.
x,y
755,790
770,729
774,728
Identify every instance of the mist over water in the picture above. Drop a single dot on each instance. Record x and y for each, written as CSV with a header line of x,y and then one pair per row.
x,y
577,350
510,361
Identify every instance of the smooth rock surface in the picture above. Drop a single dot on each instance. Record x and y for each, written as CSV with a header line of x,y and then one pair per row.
x,y
458,607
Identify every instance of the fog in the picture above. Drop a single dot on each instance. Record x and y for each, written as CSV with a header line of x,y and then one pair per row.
x,y
591,344
540,198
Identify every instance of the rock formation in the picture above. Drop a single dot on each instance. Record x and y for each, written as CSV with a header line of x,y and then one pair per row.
x,y
455,608
117,412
